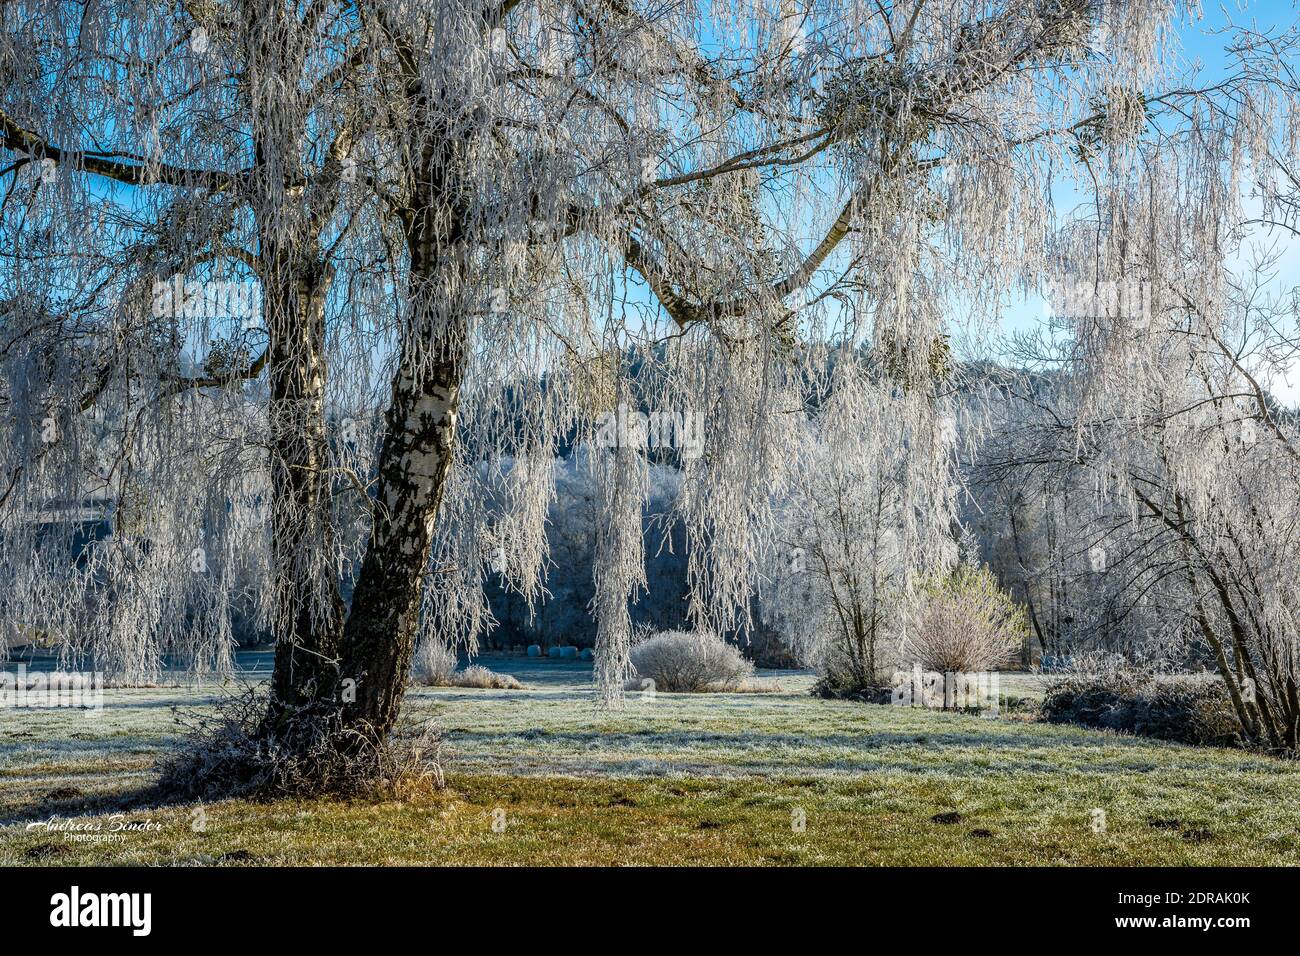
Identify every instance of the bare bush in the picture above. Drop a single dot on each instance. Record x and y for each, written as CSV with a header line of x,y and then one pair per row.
x,y
678,661
751,686
239,753
964,622
435,666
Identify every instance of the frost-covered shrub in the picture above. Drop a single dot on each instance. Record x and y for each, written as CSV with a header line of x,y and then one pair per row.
x,y
678,661
434,664
841,685
1186,709
857,662
478,676
964,622
234,752
754,686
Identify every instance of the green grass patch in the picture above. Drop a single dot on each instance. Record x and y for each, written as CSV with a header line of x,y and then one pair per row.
x,y
892,819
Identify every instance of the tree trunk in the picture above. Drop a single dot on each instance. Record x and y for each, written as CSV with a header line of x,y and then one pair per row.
x,y
309,606
296,279
379,637
361,667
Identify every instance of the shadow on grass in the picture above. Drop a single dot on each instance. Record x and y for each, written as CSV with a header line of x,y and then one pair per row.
x,y
965,751
74,748
751,740
69,801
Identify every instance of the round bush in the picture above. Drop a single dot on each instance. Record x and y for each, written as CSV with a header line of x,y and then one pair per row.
x,y
680,662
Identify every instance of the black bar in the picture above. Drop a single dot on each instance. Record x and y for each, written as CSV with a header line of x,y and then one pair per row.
x,y
984,907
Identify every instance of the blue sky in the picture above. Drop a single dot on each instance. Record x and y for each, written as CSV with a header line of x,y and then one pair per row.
x,y
1203,49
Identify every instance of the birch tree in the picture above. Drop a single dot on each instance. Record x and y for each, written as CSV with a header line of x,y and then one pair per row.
x,y
468,222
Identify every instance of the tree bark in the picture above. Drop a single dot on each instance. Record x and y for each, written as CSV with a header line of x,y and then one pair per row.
x,y
379,636
309,605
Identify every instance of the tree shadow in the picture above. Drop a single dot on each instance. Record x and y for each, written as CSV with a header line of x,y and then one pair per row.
x,y
68,801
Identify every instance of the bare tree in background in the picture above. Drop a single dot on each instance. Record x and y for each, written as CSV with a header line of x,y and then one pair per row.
x,y
1182,472
873,501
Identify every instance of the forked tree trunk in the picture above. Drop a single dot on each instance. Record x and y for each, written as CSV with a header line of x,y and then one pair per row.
x,y
360,668
357,668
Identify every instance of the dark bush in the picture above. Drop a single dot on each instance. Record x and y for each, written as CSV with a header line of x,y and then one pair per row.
x,y
1187,710
829,689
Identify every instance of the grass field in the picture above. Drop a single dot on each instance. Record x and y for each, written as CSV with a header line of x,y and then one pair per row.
x,y
539,776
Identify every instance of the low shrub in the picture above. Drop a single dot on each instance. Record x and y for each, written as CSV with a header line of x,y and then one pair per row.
x,y
479,676
435,666
829,688
681,662
1188,710
755,686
